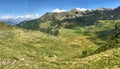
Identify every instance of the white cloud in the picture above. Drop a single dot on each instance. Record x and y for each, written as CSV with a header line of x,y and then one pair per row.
x,y
59,10
31,16
6,17
10,19
81,9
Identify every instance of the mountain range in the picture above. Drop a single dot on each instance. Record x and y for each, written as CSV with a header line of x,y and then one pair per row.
x,y
51,22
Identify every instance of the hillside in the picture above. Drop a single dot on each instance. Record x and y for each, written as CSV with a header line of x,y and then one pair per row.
x,y
21,48
4,26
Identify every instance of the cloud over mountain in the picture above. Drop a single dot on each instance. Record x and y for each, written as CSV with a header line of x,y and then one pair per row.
x,y
31,16
59,10
10,19
81,9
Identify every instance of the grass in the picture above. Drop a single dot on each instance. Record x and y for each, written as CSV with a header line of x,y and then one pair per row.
x,y
28,49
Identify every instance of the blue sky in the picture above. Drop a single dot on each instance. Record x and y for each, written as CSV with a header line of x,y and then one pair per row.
x,y
24,7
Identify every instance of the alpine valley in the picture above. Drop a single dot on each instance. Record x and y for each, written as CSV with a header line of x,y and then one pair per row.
x,y
74,39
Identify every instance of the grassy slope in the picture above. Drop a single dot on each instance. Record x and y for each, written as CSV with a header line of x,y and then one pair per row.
x,y
23,49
